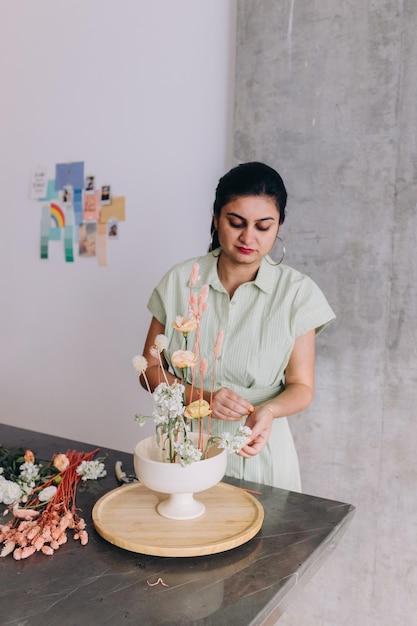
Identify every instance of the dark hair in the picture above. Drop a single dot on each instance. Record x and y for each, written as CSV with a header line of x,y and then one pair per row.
x,y
248,179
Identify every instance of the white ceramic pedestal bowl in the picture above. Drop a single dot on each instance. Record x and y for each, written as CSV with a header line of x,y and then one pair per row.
x,y
178,482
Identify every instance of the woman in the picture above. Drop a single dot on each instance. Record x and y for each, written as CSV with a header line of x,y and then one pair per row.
x,y
269,314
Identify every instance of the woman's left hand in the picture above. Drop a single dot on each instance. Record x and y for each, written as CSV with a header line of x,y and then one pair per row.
x,y
260,422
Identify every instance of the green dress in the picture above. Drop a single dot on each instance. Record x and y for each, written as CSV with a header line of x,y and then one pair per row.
x,y
260,324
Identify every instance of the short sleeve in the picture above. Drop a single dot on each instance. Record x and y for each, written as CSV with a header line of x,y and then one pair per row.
x,y
169,298
156,307
311,309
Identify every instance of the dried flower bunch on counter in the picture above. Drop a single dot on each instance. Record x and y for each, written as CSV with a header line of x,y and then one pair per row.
x,y
40,499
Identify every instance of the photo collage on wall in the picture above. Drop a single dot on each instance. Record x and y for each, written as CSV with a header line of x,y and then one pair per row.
x,y
77,211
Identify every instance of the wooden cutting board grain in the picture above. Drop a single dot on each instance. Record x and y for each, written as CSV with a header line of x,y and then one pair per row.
x,y
127,518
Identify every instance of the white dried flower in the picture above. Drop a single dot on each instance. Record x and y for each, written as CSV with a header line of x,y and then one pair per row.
x,y
47,493
9,491
139,363
161,343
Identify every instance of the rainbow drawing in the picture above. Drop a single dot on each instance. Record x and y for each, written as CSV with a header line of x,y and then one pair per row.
x,y
57,216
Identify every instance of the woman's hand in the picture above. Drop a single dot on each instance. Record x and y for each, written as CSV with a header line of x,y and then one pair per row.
x,y
260,421
229,406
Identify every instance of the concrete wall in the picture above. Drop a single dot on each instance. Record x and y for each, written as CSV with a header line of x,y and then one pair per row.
x,y
326,92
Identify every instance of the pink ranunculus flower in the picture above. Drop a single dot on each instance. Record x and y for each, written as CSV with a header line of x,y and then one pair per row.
x,y
184,324
198,408
183,358
61,462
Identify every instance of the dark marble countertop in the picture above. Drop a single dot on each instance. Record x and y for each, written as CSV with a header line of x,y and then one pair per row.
x,y
102,584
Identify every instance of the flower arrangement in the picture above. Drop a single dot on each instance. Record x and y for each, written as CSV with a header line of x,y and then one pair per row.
x,y
41,500
172,415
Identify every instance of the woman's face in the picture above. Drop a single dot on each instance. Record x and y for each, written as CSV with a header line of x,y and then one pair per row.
x,y
247,228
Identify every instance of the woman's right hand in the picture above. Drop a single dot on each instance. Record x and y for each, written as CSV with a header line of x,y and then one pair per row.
x,y
229,406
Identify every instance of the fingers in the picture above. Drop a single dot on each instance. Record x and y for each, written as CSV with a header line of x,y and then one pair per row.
x,y
254,447
260,422
229,406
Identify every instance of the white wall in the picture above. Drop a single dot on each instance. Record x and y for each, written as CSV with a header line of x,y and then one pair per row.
x,y
142,92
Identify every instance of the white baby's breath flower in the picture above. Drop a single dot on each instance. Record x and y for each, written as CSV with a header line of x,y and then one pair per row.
x,y
47,493
28,475
161,342
168,401
140,419
234,443
187,453
139,363
225,440
29,472
91,470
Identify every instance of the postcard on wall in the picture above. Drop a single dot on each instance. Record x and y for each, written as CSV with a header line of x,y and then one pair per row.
x,y
39,183
87,239
105,194
51,193
69,174
68,243
113,229
101,245
92,205
89,183
115,210
67,195
45,227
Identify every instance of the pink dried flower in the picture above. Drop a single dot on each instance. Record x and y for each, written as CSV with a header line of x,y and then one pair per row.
x,y
8,547
35,530
194,277
62,538
28,551
39,542
83,537
218,344
192,305
17,554
203,367
26,514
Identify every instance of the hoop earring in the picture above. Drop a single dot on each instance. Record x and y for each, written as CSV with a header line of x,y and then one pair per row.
x,y
282,255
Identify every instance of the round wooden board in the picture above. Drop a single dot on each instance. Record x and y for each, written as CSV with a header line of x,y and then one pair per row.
x,y
127,518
